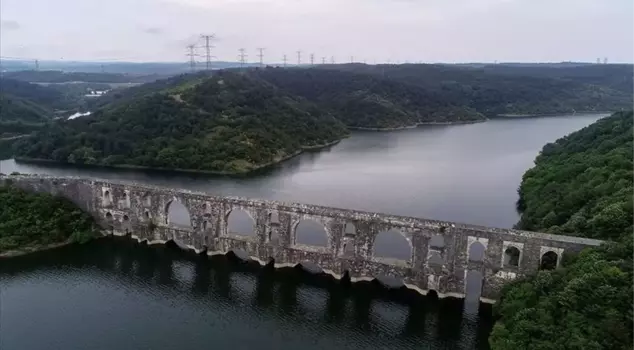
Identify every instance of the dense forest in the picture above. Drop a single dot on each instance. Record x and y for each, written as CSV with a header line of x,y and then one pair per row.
x,y
580,185
365,101
506,89
30,220
25,107
229,123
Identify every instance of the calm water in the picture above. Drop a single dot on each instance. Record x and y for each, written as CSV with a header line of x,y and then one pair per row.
x,y
114,294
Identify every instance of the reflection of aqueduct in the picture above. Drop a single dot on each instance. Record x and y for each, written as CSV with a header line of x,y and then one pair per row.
x,y
441,253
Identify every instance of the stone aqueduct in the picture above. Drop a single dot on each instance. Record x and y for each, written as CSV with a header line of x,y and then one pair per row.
x,y
142,212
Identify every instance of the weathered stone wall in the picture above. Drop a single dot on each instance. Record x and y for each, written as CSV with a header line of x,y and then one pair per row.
x,y
141,211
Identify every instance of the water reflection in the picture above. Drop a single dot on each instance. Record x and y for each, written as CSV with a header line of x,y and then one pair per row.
x,y
163,288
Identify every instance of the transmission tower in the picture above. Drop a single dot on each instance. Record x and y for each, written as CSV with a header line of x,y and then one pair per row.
x,y
242,57
37,64
261,56
323,60
312,59
598,60
332,59
299,58
351,59
285,60
191,53
605,60
208,48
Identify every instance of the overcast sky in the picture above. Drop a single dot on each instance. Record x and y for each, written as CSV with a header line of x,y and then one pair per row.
x,y
371,30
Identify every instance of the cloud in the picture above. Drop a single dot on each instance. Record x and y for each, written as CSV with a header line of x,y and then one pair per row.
x,y
9,25
153,30
398,30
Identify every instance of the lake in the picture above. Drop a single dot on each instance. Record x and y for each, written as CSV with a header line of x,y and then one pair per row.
x,y
115,293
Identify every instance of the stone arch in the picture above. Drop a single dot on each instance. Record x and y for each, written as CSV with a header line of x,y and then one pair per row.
x,y
205,225
147,200
311,232
435,259
109,216
512,256
437,242
126,224
106,197
274,237
274,217
549,260
476,251
240,222
392,244
348,248
125,198
349,229
176,214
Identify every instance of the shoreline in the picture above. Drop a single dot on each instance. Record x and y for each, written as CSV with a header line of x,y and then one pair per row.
x,y
355,128
546,115
184,171
32,249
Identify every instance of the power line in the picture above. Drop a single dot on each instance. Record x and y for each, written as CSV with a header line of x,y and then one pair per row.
x,y
261,55
208,48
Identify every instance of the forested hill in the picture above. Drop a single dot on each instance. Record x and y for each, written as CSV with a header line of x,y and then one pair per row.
x,y
366,101
580,185
25,107
506,89
18,94
227,123
582,182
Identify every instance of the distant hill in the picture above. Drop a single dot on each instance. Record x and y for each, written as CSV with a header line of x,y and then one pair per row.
x,y
46,98
228,123
508,89
614,76
110,67
25,107
58,76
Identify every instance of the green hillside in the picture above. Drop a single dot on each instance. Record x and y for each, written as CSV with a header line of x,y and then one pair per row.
x,y
581,185
228,123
